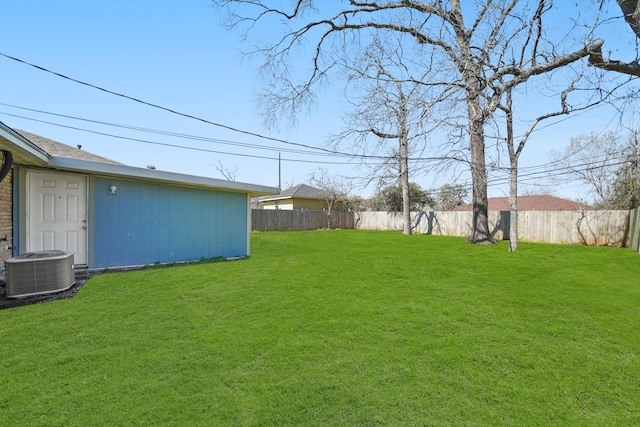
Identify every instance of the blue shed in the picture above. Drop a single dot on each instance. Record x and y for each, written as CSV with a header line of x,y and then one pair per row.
x,y
112,215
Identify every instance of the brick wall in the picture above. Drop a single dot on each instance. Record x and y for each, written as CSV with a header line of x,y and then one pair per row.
x,y
6,216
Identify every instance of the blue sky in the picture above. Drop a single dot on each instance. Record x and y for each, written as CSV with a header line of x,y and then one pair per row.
x,y
174,54
177,54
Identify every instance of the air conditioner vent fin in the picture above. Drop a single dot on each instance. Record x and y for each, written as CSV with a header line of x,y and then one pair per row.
x,y
37,273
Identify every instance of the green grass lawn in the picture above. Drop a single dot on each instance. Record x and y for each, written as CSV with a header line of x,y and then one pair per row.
x,y
338,328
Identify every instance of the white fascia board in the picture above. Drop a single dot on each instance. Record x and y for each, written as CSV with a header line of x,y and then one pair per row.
x,y
22,149
271,199
122,171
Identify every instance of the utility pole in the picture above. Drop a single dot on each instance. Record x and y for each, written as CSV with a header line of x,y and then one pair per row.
x,y
635,173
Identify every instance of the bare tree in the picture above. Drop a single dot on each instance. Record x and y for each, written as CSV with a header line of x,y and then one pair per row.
x,y
626,187
334,189
608,165
478,45
600,93
514,156
228,173
515,151
593,160
391,105
290,183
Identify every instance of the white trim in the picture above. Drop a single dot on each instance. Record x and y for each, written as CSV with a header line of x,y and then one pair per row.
x,y
27,153
87,166
22,147
248,225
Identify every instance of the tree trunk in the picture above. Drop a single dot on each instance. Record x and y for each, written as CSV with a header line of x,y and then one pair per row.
x,y
480,226
406,203
513,205
513,172
631,10
472,73
404,171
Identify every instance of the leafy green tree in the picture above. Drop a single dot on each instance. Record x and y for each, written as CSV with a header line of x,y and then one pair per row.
x,y
451,196
355,204
390,198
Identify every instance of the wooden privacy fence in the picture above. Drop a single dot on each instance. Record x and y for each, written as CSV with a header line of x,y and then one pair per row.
x,y
283,220
587,227
634,229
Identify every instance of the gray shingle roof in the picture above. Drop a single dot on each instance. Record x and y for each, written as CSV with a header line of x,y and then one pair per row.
x,y
55,148
303,191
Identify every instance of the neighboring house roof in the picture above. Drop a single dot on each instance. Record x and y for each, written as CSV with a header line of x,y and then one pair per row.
x,y
302,191
59,149
531,203
33,150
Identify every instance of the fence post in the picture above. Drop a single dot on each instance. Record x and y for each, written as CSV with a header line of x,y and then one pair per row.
x,y
634,229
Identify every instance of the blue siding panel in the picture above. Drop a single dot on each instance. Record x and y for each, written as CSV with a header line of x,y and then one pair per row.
x,y
146,222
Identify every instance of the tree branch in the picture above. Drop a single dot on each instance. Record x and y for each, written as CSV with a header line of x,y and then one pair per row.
x,y
383,135
631,10
521,75
597,60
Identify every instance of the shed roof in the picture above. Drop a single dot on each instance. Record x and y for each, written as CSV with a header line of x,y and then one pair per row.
x,y
531,203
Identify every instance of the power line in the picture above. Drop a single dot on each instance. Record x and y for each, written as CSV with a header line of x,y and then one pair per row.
x,y
149,104
190,116
566,170
144,141
233,129
522,178
382,159
161,132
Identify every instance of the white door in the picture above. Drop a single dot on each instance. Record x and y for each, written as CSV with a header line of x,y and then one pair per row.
x,y
57,214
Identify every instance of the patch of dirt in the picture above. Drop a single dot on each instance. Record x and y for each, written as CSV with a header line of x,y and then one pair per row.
x,y
18,302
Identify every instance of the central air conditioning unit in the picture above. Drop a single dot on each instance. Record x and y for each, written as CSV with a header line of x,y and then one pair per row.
x,y
39,273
